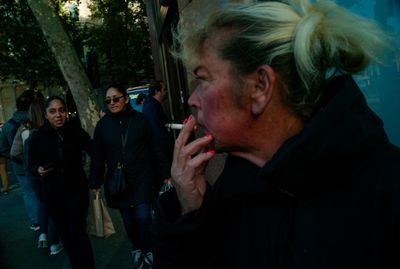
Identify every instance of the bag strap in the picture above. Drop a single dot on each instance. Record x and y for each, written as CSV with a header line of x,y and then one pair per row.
x,y
125,137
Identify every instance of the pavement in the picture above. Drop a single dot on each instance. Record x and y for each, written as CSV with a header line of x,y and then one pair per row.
x,y
18,244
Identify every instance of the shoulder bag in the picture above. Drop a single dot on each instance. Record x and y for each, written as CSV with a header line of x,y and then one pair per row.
x,y
116,182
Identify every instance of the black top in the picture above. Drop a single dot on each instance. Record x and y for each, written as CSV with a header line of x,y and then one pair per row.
x,y
63,149
154,112
329,198
145,165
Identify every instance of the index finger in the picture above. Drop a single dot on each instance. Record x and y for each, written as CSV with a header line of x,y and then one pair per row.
x,y
184,135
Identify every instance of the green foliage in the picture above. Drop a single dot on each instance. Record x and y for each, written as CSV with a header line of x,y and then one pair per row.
x,y
121,39
70,20
24,52
117,34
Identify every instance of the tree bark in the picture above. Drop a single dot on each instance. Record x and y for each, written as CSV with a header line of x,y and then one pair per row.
x,y
68,61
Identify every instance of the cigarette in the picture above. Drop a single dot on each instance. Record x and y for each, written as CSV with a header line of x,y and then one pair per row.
x,y
174,126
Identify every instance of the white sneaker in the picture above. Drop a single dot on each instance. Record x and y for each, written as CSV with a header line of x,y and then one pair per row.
x,y
137,259
42,242
56,248
148,260
34,227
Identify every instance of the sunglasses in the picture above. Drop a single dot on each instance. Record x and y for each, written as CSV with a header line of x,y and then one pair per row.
x,y
114,99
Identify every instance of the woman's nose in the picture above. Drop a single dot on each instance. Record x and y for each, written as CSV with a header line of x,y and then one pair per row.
x,y
194,100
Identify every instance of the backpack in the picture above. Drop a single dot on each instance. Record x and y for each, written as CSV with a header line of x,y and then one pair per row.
x,y
26,149
8,132
14,125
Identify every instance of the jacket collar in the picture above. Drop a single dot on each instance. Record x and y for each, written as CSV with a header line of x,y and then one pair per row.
x,y
129,110
331,143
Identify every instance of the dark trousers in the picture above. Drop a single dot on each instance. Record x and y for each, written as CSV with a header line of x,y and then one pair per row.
x,y
69,213
46,224
137,221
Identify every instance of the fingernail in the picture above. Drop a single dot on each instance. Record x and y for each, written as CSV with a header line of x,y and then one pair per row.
x,y
211,151
185,121
190,117
208,135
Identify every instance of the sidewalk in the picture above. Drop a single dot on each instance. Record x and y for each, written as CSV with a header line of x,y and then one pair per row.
x,y
18,244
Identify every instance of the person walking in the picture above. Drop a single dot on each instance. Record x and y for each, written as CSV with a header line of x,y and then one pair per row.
x,y
3,169
153,110
311,179
140,101
19,151
55,156
123,137
8,133
3,173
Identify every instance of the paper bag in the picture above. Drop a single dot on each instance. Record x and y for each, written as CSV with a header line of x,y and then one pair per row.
x,y
99,220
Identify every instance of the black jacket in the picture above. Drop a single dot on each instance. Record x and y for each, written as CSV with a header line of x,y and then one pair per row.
x,y
62,148
144,162
329,198
154,112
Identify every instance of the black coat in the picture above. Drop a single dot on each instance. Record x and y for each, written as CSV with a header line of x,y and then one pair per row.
x,y
154,112
329,199
63,149
144,162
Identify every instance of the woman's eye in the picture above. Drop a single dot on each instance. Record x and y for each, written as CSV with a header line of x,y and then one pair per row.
x,y
195,83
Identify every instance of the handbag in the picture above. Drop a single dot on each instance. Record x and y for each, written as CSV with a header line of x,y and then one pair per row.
x,y
99,220
116,182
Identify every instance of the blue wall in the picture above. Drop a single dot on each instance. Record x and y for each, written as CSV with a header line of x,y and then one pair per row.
x,y
381,84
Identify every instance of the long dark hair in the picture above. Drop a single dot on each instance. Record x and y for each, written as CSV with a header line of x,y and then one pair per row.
x,y
36,114
52,98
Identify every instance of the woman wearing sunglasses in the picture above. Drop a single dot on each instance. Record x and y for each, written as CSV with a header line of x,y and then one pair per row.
x,y
124,136
55,157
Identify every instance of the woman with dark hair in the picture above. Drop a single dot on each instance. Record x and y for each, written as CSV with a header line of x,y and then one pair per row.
x,y
19,151
55,152
124,136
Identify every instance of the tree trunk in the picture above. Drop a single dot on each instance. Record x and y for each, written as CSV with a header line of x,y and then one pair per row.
x,y
68,61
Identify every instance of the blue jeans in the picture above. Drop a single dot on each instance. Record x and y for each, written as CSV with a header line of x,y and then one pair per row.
x,y
46,225
137,221
31,201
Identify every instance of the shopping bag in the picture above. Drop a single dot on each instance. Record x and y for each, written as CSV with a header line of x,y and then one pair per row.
x,y
99,220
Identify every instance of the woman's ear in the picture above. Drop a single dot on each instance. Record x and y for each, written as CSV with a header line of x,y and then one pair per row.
x,y
261,92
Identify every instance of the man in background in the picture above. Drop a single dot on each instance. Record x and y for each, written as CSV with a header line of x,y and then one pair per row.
x,y
140,101
153,110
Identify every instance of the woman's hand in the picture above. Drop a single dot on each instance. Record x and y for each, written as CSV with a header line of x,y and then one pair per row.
x,y
95,191
188,167
44,172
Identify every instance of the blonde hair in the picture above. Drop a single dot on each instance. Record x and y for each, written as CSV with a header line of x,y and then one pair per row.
x,y
303,42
